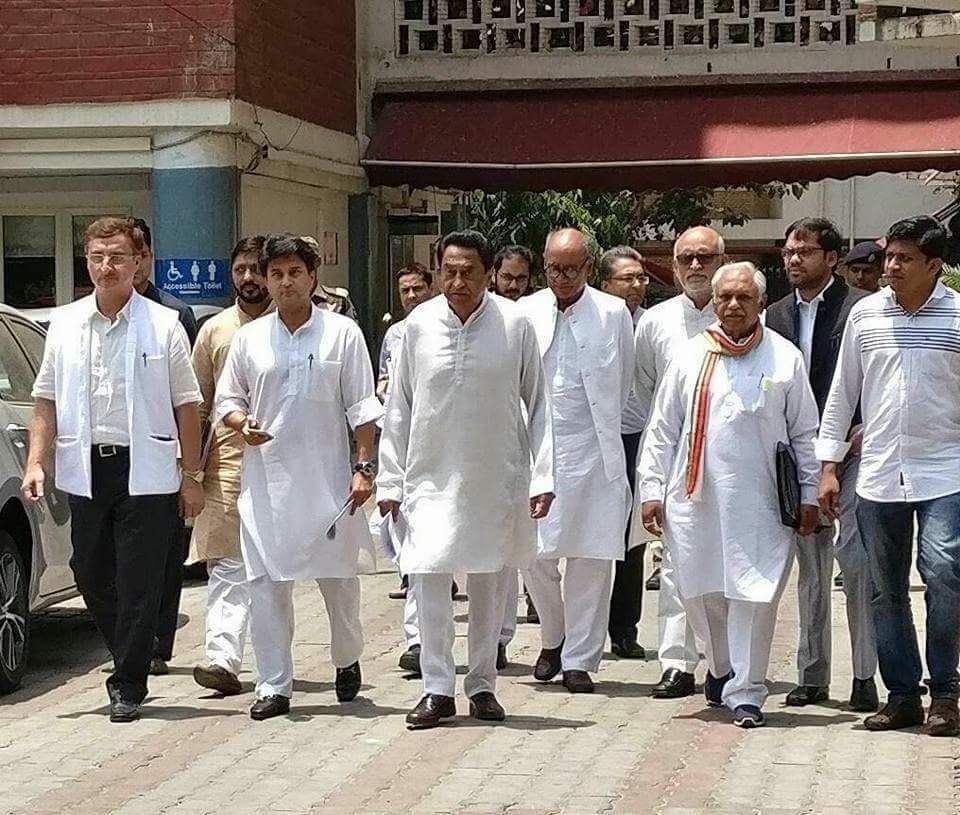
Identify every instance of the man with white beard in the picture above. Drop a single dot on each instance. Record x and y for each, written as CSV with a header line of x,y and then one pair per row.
x,y
708,480
455,468
661,332
586,341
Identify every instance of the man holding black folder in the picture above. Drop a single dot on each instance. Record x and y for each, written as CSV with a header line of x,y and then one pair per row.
x,y
717,502
813,317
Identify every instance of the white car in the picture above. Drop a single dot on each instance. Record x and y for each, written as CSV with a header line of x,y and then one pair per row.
x,y
35,546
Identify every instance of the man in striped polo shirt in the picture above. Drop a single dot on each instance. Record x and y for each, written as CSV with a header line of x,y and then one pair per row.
x,y
900,359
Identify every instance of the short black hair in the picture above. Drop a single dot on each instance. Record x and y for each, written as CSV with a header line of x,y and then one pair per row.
x,y
611,256
513,251
467,239
926,232
249,245
824,230
418,269
141,224
278,246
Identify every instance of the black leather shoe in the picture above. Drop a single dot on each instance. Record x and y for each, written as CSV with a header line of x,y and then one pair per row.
x,y
548,663
484,706
215,677
270,706
713,688
502,660
158,667
838,580
653,582
674,684
626,647
807,695
454,590
122,711
347,683
577,682
410,660
532,615
863,696
897,714
431,711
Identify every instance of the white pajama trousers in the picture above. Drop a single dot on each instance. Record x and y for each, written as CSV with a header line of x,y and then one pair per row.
x,y
228,613
737,636
574,609
272,626
678,643
487,596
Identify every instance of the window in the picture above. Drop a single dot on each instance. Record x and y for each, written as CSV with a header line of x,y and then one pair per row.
x,y
29,261
16,375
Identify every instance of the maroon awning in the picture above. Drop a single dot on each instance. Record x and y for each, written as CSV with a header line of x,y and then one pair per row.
x,y
642,138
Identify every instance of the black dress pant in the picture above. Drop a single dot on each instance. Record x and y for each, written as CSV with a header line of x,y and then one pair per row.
x,y
172,588
626,600
121,544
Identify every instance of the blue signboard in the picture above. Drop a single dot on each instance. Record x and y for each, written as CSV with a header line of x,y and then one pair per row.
x,y
193,278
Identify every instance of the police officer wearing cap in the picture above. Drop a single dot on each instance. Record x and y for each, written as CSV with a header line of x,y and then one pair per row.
x,y
116,399
864,266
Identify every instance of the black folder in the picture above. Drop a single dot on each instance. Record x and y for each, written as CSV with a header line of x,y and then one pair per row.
x,y
788,485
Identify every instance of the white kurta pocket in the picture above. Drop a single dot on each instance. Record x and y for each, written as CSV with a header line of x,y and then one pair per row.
x,y
321,381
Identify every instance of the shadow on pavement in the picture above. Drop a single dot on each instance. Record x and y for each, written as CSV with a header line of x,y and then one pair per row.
x,y
775,718
359,708
172,713
603,687
528,723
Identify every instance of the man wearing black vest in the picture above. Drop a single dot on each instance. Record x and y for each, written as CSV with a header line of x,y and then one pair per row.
x,y
813,317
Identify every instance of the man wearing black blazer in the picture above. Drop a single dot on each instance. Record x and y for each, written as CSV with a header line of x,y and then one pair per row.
x,y
813,317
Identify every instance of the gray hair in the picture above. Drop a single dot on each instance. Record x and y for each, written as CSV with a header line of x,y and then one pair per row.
x,y
611,256
721,245
741,266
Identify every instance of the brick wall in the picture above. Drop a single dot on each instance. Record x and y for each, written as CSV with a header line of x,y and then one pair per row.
x,y
114,50
299,57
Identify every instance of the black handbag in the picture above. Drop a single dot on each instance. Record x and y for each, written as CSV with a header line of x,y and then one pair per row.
x,y
788,485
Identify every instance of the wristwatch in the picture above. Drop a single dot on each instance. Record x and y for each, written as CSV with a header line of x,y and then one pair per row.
x,y
368,469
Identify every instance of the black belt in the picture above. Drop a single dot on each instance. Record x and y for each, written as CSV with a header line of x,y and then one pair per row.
x,y
110,450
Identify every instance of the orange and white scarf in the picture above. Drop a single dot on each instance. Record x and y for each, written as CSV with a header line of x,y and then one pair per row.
x,y
718,345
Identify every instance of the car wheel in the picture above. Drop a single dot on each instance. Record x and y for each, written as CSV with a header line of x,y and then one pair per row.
x,y
14,615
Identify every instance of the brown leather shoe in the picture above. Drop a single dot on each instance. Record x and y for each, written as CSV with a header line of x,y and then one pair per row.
x,y
577,682
943,719
484,706
548,663
431,711
896,714
217,678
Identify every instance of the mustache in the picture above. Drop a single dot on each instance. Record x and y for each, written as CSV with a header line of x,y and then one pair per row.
x,y
252,294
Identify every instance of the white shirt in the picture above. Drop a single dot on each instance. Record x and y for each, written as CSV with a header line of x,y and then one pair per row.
x,y
807,313
660,332
388,351
904,370
457,448
634,418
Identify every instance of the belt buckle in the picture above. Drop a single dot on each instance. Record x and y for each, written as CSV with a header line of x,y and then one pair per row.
x,y
107,450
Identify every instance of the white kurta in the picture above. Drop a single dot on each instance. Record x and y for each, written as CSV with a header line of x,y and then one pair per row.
x,y
456,449
729,539
303,388
588,364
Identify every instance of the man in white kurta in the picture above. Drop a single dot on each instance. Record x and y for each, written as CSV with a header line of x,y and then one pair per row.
x,y
586,340
293,380
455,468
661,332
708,478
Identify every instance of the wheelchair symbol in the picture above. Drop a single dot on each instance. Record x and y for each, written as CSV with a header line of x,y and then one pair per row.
x,y
173,273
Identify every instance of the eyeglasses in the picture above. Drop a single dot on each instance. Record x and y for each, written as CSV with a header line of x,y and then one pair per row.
x,y
566,272
631,279
116,259
802,252
703,258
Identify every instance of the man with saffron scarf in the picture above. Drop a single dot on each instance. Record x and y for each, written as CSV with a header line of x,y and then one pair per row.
x,y
708,480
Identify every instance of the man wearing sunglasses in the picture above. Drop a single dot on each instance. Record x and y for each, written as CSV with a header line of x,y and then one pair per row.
x,y
661,332
586,341
813,317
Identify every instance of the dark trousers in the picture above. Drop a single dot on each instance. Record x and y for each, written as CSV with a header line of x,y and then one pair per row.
x,y
887,533
626,600
172,587
120,548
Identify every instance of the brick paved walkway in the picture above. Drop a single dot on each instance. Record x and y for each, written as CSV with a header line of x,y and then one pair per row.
x,y
617,751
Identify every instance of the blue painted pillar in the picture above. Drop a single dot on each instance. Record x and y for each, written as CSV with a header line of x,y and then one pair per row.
x,y
195,221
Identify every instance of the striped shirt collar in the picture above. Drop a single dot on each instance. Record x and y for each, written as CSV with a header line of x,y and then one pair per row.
x,y
939,292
